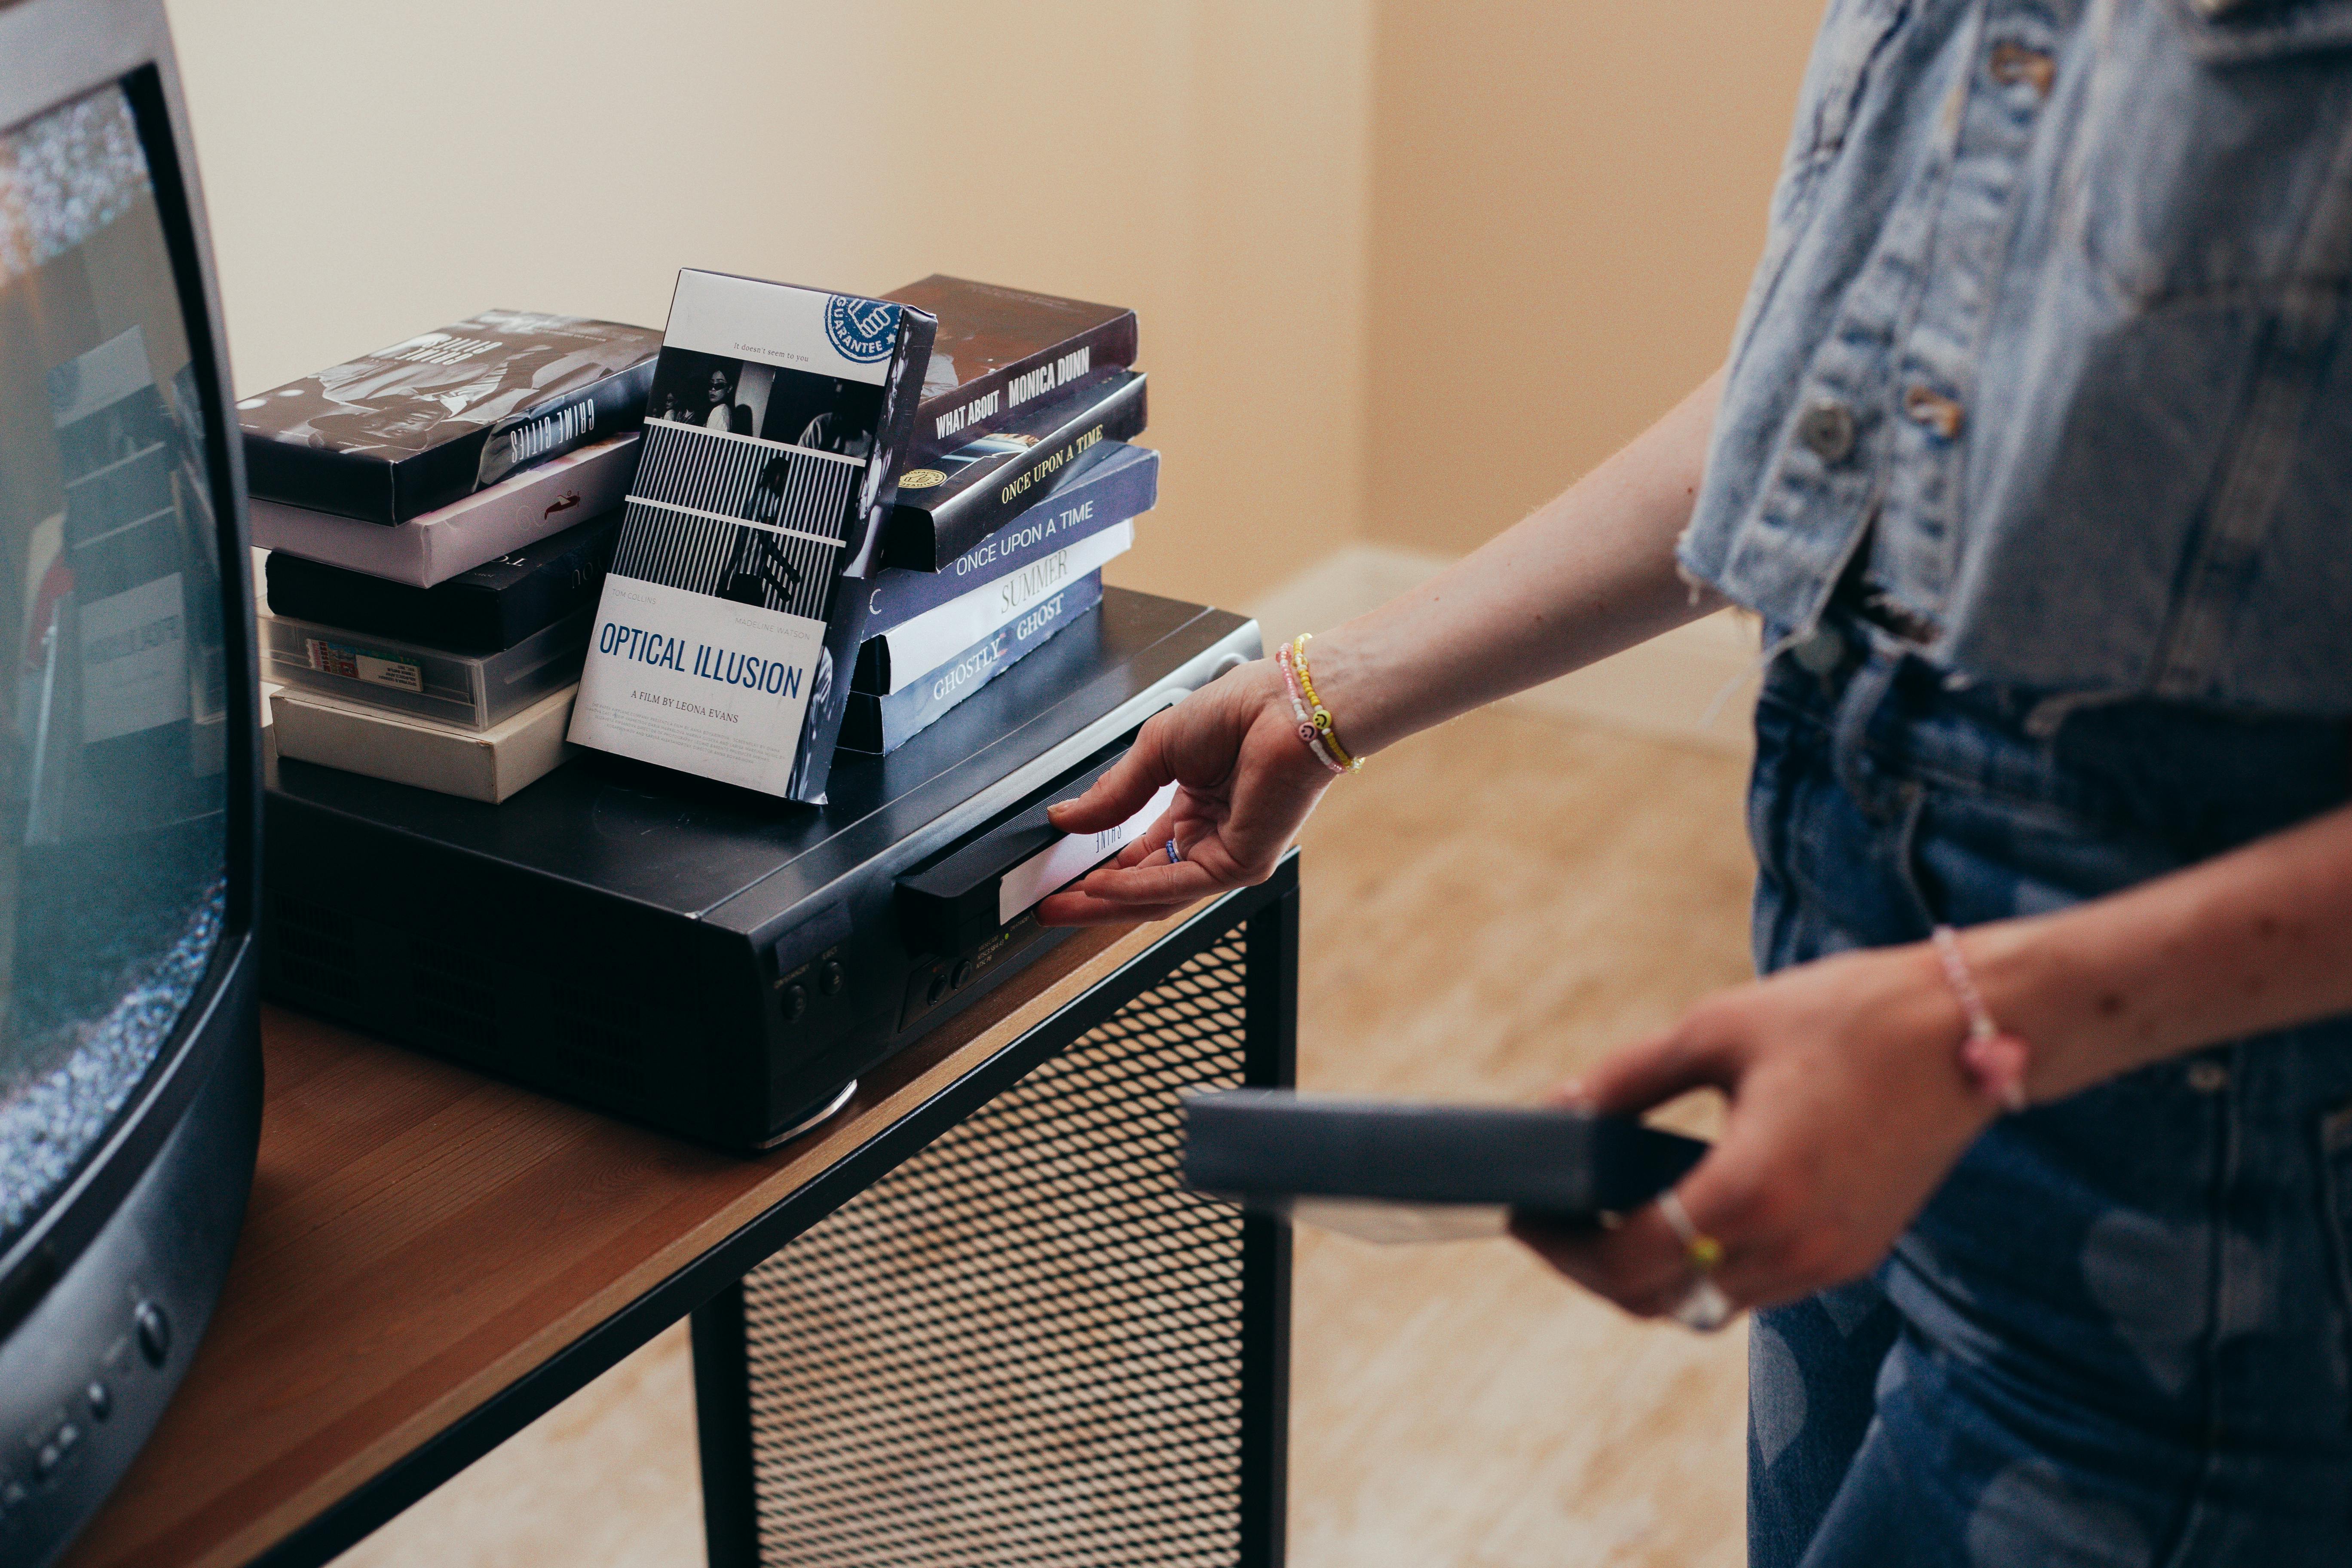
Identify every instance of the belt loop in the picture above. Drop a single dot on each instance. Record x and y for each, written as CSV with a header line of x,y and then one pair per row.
x,y
1903,849
1866,691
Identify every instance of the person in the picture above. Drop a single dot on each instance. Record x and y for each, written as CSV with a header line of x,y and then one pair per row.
x,y
723,413
2032,452
828,414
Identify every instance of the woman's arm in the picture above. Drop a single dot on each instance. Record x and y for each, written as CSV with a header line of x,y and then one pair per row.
x,y
1590,574
1587,574
1848,1101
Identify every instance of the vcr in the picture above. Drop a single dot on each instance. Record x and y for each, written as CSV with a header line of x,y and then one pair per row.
x,y
707,961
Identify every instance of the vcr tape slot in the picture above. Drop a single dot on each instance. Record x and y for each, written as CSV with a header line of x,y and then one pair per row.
x,y
973,905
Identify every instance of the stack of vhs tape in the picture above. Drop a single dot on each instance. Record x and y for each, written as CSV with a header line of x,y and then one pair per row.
x,y
439,516
852,513
932,480
1019,487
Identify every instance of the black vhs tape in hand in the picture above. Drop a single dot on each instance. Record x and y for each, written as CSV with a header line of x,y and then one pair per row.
x,y
1397,1171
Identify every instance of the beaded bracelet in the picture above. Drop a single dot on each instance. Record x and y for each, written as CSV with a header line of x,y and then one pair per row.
x,y
1307,731
1995,1060
1321,715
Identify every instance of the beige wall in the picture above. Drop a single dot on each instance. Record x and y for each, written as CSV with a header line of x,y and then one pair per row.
x,y
371,171
1404,267
1567,199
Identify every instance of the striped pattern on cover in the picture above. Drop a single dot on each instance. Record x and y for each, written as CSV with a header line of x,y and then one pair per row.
x,y
739,476
737,560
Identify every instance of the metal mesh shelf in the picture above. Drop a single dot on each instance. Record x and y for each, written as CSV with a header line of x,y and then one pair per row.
x,y
1026,1344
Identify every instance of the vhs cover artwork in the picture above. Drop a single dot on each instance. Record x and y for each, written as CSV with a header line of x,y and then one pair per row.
x,y
407,429
1114,484
997,350
954,500
778,419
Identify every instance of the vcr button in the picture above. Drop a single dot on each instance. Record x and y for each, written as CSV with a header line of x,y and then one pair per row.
x,y
155,1332
54,1451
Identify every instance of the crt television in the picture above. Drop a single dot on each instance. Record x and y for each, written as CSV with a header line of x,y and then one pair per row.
x,y
129,1068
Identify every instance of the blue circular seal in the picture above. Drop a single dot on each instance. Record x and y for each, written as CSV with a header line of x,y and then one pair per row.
x,y
861,328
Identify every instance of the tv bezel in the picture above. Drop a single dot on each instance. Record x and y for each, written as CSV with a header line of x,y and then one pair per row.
x,y
51,53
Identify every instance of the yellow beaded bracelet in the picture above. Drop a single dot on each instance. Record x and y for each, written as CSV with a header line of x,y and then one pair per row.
x,y
1322,715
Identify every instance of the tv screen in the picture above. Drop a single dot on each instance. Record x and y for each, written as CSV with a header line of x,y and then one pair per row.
x,y
115,773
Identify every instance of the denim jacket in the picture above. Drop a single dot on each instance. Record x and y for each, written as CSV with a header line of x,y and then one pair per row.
x,y
2054,314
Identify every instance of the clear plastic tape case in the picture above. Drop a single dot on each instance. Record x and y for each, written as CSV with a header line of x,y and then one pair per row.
x,y
471,691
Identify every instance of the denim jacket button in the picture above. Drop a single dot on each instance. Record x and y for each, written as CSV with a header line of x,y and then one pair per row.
x,y
1826,428
2208,1078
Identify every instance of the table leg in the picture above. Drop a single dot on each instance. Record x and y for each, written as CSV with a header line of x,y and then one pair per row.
x,y
722,1415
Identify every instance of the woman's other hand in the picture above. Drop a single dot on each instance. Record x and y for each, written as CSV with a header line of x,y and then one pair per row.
x,y
1246,785
1849,1105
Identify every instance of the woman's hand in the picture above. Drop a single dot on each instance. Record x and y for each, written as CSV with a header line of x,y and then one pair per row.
x,y
1849,1105
1590,573
1247,783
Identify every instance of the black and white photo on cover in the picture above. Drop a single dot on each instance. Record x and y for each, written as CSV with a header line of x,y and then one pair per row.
x,y
729,444
785,486
740,562
771,402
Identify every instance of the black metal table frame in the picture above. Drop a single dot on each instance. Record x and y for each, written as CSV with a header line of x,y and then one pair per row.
x,y
1271,913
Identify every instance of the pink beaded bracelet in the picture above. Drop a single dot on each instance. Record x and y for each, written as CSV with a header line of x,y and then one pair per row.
x,y
1995,1058
1307,731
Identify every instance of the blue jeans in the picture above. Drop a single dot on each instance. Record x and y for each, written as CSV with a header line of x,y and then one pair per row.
x,y
2121,1333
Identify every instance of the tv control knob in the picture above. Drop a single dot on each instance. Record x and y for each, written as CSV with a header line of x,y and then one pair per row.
x,y
795,1001
938,987
102,1400
962,974
155,1332
829,977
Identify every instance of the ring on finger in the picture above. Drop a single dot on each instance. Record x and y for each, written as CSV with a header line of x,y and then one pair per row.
x,y
1703,1250
1174,854
1703,1307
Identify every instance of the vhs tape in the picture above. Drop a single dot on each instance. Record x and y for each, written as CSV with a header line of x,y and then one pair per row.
x,y
515,513
998,349
1401,1171
877,722
475,764
945,508
466,691
400,432
493,607
722,644
1115,484
897,658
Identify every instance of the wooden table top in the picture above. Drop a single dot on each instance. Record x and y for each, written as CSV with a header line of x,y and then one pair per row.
x,y
421,1236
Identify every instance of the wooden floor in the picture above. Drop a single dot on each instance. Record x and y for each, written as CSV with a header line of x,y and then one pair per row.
x,y
1486,907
